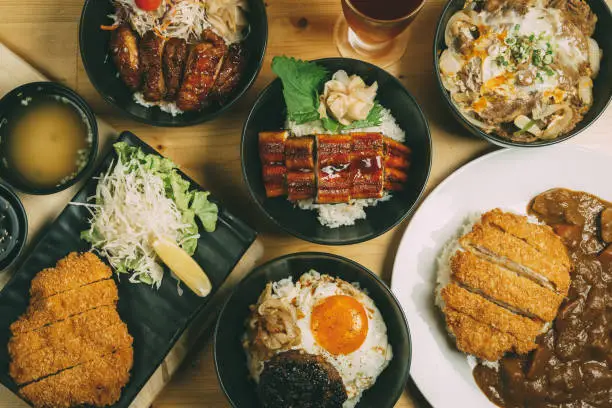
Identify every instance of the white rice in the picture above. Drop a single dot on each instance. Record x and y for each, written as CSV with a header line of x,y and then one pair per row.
x,y
164,106
339,215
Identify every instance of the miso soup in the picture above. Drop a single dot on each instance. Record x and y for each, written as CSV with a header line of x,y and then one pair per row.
x,y
48,141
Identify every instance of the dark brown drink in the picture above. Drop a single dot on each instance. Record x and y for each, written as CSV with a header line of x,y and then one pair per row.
x,y
386,9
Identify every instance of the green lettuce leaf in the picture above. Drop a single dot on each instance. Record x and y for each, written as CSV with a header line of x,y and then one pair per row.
x,y
206,211
301,83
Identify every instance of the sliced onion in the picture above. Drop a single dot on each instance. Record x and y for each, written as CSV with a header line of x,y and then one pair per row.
x,y
460,16
594,57
585,90
559,124
527,125
450,62
546,111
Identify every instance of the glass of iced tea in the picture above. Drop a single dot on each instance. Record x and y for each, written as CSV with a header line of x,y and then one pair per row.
x,y
375,30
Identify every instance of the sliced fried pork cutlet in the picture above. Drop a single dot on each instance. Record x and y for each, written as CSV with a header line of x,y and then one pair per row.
x,y
85,325
517,255
505,286
539,236
486,312
74,271
71,352
482,340
58,307
98,382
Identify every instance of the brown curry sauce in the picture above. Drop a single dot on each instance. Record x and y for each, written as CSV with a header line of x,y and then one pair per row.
x,y
572,366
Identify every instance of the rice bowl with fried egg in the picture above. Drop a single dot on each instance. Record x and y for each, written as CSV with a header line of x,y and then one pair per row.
x,y
325,317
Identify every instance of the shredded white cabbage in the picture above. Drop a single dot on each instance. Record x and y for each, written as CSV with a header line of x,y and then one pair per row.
x,y
133,208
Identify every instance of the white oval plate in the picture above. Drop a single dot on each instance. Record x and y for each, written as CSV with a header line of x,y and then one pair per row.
x,y
506,179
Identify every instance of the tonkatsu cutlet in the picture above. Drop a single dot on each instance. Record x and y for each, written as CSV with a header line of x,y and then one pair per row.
x,y
98,382
505,286
517,255
85,325
59,307
72,272
73,351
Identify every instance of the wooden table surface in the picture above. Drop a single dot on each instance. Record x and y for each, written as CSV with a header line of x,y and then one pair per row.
x,y
45,34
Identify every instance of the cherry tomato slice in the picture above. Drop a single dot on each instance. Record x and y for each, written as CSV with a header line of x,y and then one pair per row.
x,y
148,5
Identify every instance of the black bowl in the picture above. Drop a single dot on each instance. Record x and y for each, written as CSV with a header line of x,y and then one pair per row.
x,y
268,114
13,101
230,358
13,226
602,89
94,44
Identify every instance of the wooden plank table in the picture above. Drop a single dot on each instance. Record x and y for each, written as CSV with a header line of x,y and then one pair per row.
x,y
45,34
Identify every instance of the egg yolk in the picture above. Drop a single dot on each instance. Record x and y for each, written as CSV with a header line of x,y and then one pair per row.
x,y
339,324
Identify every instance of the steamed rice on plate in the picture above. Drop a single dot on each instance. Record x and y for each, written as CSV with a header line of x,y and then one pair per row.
x,y
341,151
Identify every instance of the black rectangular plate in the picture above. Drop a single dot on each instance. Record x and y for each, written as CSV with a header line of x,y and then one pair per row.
x,y
155,318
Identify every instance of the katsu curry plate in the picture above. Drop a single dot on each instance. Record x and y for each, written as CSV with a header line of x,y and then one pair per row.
x,y
109,288
173,62
505,275
335,151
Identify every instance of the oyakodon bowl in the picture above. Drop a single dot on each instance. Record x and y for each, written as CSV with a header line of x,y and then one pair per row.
x,y
102,72
230,357
268,114
602,89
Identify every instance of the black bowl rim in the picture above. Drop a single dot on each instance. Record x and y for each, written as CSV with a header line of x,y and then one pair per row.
x,y
494,139
371,236
50,88
200,119
334,257
22,217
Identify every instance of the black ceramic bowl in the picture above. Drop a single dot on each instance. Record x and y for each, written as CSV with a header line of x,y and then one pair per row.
x,y
268,114
230,358
602,90
13,102
13,226
94,44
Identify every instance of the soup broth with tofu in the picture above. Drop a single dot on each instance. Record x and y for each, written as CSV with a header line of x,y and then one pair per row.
x,y
48,141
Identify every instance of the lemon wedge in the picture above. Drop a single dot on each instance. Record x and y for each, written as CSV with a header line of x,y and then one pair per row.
x,y
184,266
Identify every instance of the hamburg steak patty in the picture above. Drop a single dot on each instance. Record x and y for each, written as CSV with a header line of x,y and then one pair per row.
x,y
297,379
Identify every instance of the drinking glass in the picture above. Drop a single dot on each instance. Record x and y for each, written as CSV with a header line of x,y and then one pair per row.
x,y
376,40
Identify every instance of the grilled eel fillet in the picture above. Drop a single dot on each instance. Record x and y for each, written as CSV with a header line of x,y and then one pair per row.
x,y
506,285
346,166
151,53
97,382
201,71
174,58
124,50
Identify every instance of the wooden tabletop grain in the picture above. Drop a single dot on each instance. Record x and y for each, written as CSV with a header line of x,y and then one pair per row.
x,y
45,34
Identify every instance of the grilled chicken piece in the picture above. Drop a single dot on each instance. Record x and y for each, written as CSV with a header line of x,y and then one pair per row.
x,y
201,72
174,59
509,289
333,168
275,180
514,253
151,52
231,72
367,174
124,49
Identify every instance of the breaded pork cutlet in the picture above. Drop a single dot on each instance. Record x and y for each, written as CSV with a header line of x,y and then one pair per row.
x,y
515,254
98,382
73,351
507,282
72,272
85,325
55,308
515,292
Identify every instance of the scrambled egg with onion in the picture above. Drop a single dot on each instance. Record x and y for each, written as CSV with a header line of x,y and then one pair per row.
x,y
524,69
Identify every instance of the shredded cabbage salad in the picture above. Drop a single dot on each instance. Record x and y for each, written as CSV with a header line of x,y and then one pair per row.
x,y
143,196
